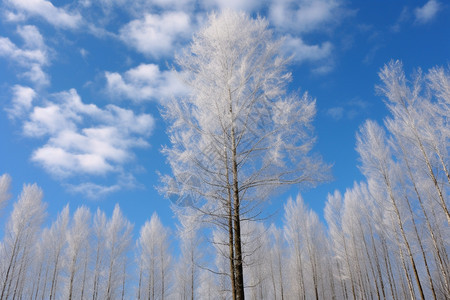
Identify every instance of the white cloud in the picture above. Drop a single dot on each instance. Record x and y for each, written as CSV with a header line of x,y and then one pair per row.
x,y
33,56
83,138
31,37
304,52
157,35
145,82
304,15
37,75
22,56
14,17
56,16
21,102
427,12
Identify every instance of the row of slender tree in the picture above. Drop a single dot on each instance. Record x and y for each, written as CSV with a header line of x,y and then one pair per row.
x,y
236,138
385,238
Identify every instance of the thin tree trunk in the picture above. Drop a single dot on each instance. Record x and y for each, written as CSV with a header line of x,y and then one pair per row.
x,y
402,231
19,280
281,276
108,289
374,249
347,259
419,240
124,278
140,283
84,275
272,276
5,282
341,281
405,269
54,277
14,264
36,290
45,283
330,275
72,276
387,262
369,257
96,273
230,233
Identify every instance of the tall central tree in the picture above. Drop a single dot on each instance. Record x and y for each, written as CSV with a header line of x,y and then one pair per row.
x,y
238,136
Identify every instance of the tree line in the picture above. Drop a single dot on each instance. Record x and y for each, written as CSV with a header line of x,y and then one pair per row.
x,y
384,238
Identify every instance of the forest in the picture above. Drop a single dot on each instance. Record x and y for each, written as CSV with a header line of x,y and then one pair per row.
x,y
387,237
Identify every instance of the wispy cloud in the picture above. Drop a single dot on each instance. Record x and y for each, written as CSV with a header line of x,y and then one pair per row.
x,y
32,56
56,16
248,5
145,82
93,190
427,12
336,112
348,110
405,15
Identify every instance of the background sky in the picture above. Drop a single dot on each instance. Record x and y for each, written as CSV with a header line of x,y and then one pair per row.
x,y
81,83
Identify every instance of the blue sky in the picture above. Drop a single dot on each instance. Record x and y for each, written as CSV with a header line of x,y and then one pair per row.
x,y
81,83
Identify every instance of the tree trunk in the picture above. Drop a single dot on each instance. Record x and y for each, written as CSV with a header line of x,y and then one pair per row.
x,y
13,255
230,232
84,275
237,223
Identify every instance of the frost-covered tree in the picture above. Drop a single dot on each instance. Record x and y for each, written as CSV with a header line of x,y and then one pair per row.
x,y
420,124
188,264
55,242
255,248
99,231
238,136
341,260
307,247
154,260
294,224
377,163
19,242
78,253
278,263
118,243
